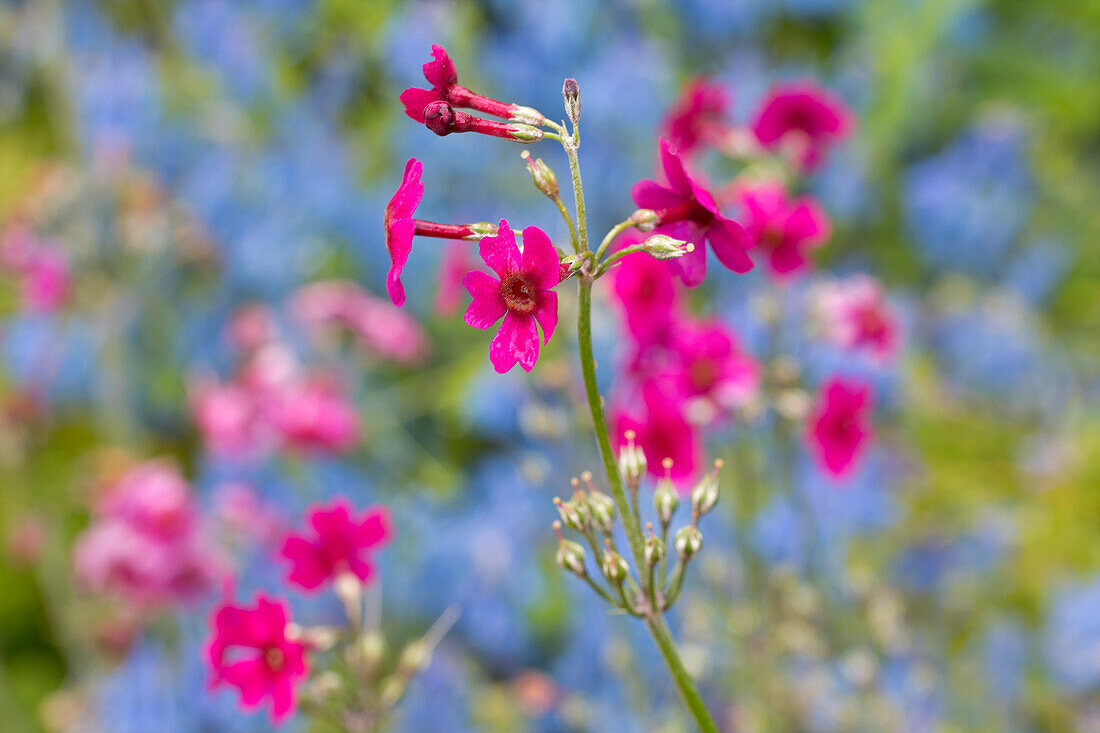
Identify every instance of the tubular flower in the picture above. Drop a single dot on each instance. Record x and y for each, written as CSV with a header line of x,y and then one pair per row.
x,y
840,425
250,650
338,544
401,227
441,74
687,211
804,116
784,229
522,295
443,119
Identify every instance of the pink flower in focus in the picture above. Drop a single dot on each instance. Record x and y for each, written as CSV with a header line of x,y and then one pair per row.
x,y
712,366
699,117
380,328
523,295
46,280
840,425
250,650
338,544
662,432
805,117
649,301
784,229
856,315
314,416
688,212
400,226
454,266
441,74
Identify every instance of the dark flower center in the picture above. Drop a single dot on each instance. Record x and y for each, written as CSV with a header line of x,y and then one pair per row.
x,y
274,658
519,295
703,373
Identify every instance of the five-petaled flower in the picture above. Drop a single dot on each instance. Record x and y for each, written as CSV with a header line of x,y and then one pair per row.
x,y
855,315
338,544
252,651
699,117
785,229
523,295
687,211
840,425
805,117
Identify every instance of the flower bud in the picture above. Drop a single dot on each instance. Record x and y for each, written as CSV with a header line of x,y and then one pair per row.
x,y
644,220
368,651
439,117
602,510
527,115
525,133
705,494
689,541
632,461
483,229
654,550
665,501
614,567
662,247
544,178
414,657
572,93
570,555
571,516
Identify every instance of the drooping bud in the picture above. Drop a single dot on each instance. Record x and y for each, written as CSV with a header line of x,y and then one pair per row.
x,y
614,567
662,247
654,548
705,494
544,178
572,93
689,541
665,499
644,220
602,510
632,461
570,555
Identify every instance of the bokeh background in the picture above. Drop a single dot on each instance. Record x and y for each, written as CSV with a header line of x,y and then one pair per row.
x,y
188,158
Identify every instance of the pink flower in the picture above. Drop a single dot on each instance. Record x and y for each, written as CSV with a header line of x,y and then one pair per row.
x,y
712,366
313,415
227,417
688,212
856,315
244,515
804,116
153,496
380,328
338,544
46,280
441,74
454,266
443,119
840,425
699,117
523,295
251,650
401,227
784,229
647,295
662,432
252,327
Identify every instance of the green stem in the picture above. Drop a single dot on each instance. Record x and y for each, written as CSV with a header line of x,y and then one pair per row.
x,y
568,222
606,264
578,191
596,587
680,676
607,240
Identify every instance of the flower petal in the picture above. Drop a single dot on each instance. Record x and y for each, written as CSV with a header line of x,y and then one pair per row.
x,y
415,100
540,258
693,265
375,528
652,195
516,341
547,314
729,240
678,178
441,71
487,306
807,222
500,252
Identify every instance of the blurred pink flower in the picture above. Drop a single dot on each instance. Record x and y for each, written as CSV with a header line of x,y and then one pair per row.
x,y
661,432
250,649
456,262
313,415
855,315
252,326
244,515
712,366
338,544
804,117
227,417
840,425
784,229
46,280
688,212
698,117
522,296
647,295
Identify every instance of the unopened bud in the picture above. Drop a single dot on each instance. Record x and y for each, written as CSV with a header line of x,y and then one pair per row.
x,y
544,178
665,501
570,555
527,115
654,550
525,133
662,247
368,651
705,494
439,117
632,461
644,220
689,541
483,229
572,93
414,657
602,510
614,567
570,516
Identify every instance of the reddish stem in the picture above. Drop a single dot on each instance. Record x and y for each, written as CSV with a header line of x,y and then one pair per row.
x,y
441,231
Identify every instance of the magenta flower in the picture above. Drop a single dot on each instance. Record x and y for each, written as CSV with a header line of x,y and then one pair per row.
x,y
443,119
338,544
712,366
804,116
441,74
661,431
46,281
687,211
456,262
647,294
784,229
699,117
523,295
313,415
250,650
401,227
856,316
840,425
